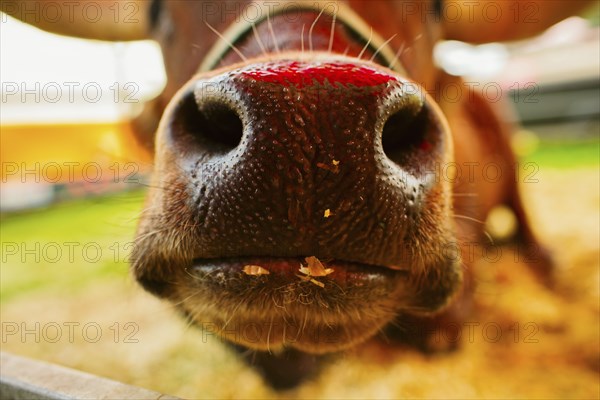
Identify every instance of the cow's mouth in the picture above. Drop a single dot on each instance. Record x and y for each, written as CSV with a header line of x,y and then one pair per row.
x,y
269,302
339,271
266,273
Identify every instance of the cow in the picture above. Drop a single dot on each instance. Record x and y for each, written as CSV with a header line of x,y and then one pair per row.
x,y
297,192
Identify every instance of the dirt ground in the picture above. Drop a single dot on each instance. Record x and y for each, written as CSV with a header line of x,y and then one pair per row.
x,y
524,340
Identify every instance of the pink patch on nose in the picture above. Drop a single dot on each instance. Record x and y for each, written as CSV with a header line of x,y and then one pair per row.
x,y
300,74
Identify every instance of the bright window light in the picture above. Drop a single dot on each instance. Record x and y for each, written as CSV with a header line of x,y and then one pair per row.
x,y
48,78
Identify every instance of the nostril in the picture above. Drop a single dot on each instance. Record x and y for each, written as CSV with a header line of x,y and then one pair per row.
x,y
406,136
223,124
403,131
212,123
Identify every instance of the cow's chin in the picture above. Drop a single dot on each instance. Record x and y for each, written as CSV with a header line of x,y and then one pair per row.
x,y
287,308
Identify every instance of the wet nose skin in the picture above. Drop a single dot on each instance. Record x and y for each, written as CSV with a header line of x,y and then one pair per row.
x,y
324,158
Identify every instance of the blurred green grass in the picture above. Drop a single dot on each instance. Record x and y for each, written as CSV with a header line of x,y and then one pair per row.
x,y
67,246
566,154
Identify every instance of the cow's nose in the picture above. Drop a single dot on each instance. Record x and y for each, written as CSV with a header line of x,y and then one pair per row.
x,y
332,159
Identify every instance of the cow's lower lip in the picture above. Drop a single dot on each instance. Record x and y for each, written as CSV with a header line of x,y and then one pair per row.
x,y
343,273
287,307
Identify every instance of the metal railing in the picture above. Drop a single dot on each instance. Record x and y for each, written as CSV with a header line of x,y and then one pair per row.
x,y
24,378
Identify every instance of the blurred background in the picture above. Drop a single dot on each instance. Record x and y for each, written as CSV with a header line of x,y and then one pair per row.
x,y
73,182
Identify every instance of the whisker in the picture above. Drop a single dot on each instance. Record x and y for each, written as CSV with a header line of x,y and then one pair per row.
x,y
382,46
272,33
181,239
304,322
468,218
247,353
231,45
185,299
489,237
310,31
235,309
366,45
190,319
146,235
187,271
397,55
412,44
302,38
259,41
332,32
269,334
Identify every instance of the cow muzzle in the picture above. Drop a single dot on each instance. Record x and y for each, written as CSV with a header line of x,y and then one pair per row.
x,y
295,203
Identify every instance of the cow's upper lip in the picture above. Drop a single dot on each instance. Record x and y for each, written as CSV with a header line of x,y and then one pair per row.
x,y
342,272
